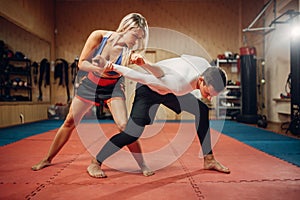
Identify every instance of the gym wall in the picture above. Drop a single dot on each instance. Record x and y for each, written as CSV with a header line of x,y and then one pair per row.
x,y
214,24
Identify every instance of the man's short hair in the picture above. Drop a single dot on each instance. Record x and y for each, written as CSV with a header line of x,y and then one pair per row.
x,y
216,77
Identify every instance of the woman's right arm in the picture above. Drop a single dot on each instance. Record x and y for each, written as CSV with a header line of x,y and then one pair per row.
x,y
85,60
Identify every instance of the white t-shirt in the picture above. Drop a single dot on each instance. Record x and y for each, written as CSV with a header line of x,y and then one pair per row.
x,y
180,75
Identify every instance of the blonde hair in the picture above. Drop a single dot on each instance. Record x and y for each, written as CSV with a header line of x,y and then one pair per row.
x,y
135,20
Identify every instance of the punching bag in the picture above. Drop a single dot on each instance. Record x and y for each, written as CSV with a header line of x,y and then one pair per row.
x,y
295,85
248,85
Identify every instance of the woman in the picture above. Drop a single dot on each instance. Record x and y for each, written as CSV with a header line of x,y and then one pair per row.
x,y
115,47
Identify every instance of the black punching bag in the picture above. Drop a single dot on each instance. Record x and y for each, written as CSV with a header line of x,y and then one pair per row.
x,y
295,86
248,85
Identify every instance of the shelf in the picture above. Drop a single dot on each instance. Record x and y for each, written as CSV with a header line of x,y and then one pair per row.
x,y
233,86
228,104
229,97
16,87
18,60
13,103
226,61
230,108
224,117
281,100
16,73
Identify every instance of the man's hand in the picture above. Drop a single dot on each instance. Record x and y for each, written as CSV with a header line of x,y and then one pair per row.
x,y
101,64
99,61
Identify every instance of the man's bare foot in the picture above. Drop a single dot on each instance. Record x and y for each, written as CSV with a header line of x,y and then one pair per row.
x,y
42,164
95,171
212,164
146,170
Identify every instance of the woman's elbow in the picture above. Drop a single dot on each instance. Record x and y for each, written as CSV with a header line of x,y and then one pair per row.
x,y
82,64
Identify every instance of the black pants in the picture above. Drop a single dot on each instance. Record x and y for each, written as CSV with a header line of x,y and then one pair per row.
x,y
143,111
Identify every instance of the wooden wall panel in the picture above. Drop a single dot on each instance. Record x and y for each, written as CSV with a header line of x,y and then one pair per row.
x,y
19,39
211,23
10,113
35,16
213,26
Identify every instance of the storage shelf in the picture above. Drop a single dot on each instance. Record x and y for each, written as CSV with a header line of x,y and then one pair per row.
x,y
230,108
232,95
233,86
229,97
16,70
226,61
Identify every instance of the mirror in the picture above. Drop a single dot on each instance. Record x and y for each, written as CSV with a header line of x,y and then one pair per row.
x,y
16,39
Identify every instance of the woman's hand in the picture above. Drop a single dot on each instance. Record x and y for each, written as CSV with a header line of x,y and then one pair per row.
x,y
137,59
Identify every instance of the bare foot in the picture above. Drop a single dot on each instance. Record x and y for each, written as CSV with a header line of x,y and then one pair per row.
x,y
211,164
146,170
42,164
95,171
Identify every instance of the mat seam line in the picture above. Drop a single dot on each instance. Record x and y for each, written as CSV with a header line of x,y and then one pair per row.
x,y
51,179
190,177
